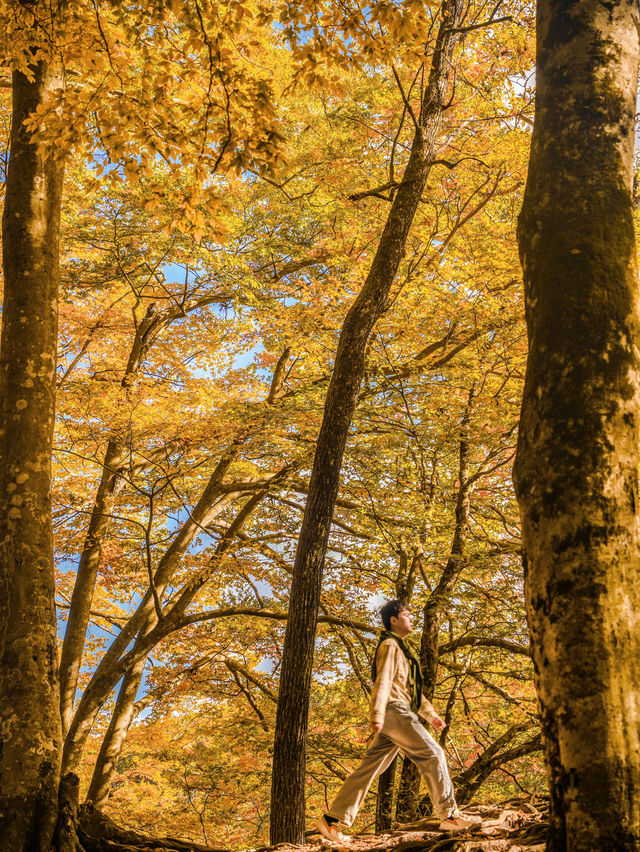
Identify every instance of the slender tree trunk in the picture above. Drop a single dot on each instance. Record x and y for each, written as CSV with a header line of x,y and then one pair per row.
x,y
114,739
288,780
83,590
82,597
29,694
433,610
109,673
577,461
384,800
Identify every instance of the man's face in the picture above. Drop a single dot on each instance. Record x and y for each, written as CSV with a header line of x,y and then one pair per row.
x,y
402,624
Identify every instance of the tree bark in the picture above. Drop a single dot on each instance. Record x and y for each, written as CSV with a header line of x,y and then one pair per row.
x,y
384,798
29,693
577,460
288,780
116,734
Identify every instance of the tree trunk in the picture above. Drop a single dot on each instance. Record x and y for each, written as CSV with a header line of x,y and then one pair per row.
x,y
83,590
409,791
82,597
115,737
288,780
577,460
29,693
384,799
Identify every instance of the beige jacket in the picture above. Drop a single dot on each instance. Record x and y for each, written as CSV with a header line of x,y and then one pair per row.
x,y
392,684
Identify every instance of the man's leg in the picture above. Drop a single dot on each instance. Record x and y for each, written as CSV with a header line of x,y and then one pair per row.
x,y
404,728
347,803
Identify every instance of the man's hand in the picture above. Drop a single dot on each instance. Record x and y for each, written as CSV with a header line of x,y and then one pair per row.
x,y
438,723
376,727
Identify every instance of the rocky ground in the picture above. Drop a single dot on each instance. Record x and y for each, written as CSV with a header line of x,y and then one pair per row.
x,y
517,825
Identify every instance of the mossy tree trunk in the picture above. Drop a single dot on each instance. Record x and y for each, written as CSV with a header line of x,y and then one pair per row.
x,y
29,694
288,780
577,460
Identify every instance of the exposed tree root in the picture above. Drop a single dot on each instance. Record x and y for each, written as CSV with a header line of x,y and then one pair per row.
x,y
86,829
98,833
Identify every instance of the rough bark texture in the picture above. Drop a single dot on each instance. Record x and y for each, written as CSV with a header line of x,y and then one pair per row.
x,y
577,461
288,780
29,696
66,836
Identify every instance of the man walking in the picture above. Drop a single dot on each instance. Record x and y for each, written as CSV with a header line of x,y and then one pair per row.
x,y
396,702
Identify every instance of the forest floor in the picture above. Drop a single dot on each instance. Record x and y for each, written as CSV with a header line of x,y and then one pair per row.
x,y
516,825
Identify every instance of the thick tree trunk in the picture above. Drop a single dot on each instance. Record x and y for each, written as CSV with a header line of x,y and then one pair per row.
x,y
29,695
288,780
577,462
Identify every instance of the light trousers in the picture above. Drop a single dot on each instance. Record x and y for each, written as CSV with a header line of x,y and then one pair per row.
x,y
402,730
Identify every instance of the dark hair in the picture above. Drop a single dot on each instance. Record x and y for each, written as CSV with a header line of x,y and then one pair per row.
x,y
392,609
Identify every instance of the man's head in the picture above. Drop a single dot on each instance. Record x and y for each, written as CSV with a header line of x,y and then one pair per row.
x,y
397,618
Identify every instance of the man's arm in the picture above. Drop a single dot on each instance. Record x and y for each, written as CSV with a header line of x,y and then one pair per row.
x,y
427,711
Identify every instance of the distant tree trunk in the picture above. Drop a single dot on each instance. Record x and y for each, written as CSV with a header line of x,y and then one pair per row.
x,y
384,800
577,460
29,694
110,485
433,610
288,781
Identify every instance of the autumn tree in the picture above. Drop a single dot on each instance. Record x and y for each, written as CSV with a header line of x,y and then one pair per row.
x,y
198,324
38,41
287,811
30,760
577,463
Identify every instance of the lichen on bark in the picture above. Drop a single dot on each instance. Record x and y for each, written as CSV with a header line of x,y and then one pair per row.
x,y
577,462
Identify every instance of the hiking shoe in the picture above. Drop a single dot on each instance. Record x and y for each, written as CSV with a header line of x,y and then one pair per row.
x,y
331,832
458,822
